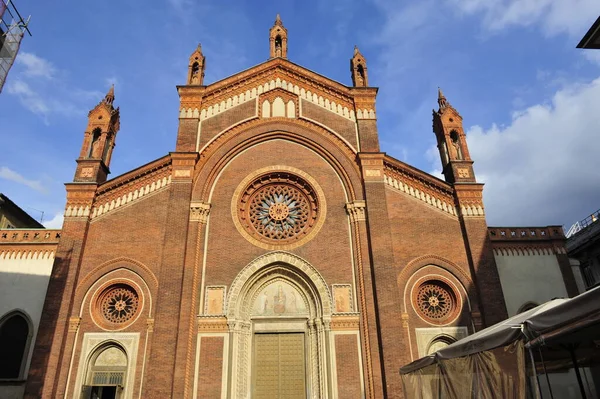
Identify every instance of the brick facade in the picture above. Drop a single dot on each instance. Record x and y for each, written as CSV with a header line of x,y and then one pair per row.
x,y
169,230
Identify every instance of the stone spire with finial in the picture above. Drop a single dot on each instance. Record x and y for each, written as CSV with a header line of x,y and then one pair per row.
x,y
110,96
442,102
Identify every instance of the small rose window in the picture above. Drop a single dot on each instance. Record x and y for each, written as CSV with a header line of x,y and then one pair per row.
x,y
436,301
118,304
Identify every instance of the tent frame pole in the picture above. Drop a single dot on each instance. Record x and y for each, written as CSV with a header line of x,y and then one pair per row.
x,y
545,372
571,349
537,378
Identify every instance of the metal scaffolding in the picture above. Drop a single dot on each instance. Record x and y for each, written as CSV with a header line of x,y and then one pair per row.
x,y
12,30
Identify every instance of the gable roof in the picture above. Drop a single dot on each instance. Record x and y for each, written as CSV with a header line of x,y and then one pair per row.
x,y
9,207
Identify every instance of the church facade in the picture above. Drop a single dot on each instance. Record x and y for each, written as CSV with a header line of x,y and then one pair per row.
x,y
276,252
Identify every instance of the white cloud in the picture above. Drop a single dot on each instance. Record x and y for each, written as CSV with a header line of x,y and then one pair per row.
x,y
56,222
39,104
543,168
9,174
554,16
36,66
43,90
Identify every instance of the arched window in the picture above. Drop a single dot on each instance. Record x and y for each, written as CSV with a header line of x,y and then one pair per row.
x,y
457,150
15,335
440,342
360,76
278,46
105,377
195,78
95,143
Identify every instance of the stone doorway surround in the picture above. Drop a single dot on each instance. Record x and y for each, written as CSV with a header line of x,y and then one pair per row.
x,y
244,321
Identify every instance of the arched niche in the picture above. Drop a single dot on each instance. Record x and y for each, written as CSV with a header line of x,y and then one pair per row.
x,y
280,294
106,372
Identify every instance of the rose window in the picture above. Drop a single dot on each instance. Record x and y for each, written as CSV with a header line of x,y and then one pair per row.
x,y
119,303
435,300
278,208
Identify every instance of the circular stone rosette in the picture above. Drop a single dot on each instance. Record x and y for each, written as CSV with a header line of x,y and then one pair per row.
x,y
278,208
116,306
436,302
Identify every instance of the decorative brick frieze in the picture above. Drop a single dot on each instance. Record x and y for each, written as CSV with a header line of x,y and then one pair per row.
x,y
341,108
137,192
132,187
346,322
212,324
28,243
26,253
420,188
528,241
470,199
29,236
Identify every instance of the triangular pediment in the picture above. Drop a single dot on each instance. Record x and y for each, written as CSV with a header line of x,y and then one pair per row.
x,y
247,85
282,68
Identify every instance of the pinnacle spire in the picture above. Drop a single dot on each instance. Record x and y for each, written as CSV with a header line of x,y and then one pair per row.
x,y
278,20
442,102
356,50
110,96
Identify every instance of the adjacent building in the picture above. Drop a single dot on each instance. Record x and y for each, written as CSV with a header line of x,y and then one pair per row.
x,y
26,258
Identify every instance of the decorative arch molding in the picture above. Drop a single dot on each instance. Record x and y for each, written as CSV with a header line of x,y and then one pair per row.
x,y
218,153
252,272
135,272
315,324
426,260
118,263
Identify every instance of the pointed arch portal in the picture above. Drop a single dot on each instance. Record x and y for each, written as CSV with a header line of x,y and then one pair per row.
x,y
279,311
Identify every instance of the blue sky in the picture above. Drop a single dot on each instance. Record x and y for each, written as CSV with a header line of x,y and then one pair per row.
x,y
530,100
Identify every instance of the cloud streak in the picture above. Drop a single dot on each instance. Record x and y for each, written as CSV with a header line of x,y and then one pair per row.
x,y
40,89
36,66
9,174
553,16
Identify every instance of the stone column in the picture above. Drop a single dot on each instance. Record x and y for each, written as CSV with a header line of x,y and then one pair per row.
x,y
162,371
188,335
357,212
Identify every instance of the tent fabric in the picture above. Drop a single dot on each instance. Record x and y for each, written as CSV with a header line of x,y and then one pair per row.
x,y
572,310
527,325
492,337
497,373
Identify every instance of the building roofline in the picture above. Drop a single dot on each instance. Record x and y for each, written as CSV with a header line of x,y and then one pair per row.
x,y
21,214
591,40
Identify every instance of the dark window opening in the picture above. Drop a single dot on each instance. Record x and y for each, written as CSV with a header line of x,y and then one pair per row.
x,y
14,334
